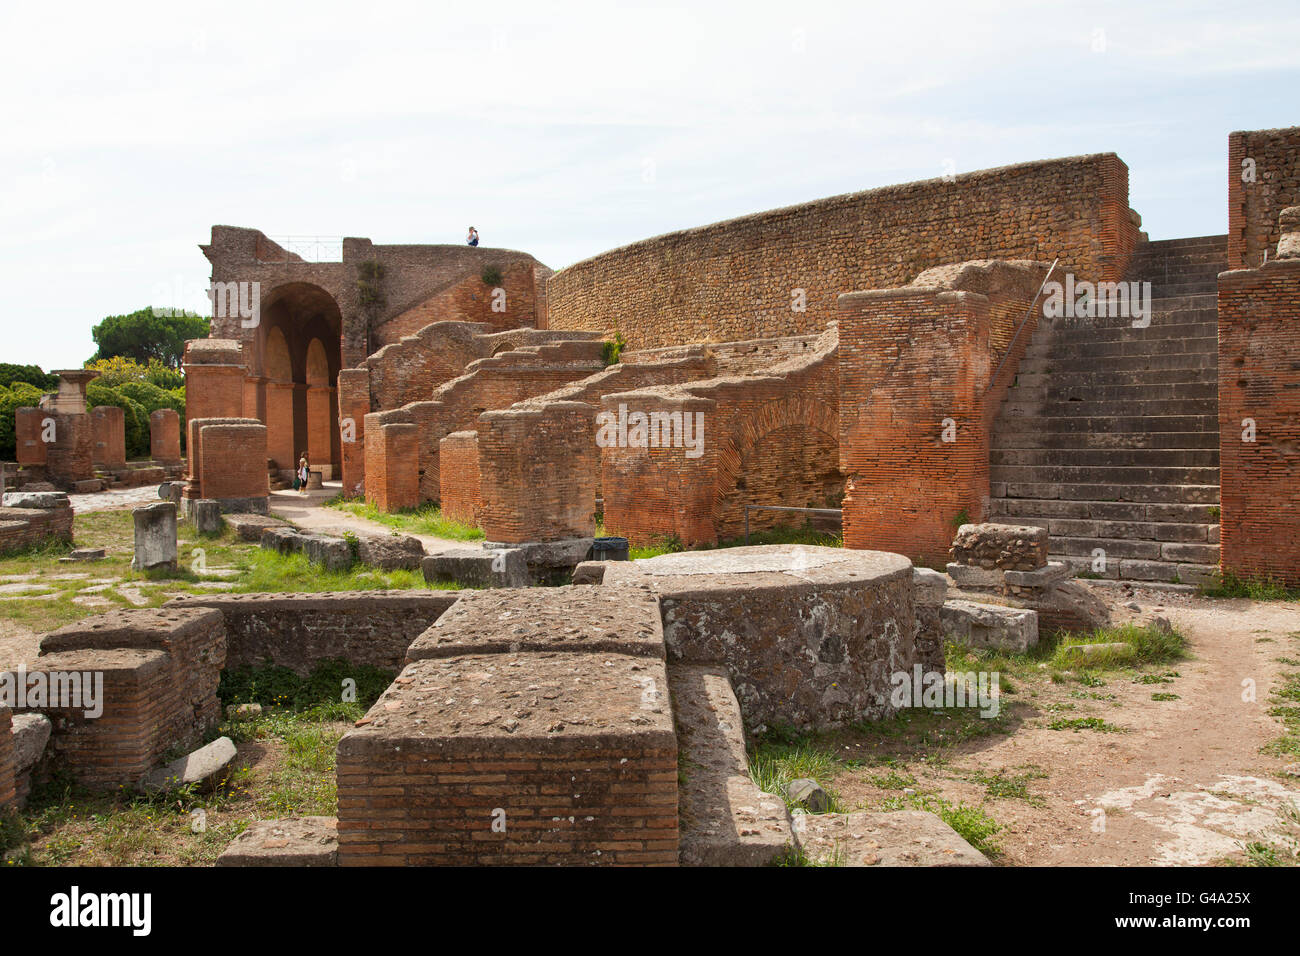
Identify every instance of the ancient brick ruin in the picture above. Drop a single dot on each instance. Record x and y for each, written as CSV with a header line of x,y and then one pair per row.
x,y
884,352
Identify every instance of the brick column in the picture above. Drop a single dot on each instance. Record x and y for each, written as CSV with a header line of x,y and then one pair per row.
x,y
392,466
354,406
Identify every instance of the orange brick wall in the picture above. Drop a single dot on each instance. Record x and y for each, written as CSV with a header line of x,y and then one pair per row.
x,y
8,792
911,358
470,300
354,406
109,425
165,435
542,483
392,465
1259,379
1253,207
734,280
28,427
459,476
24,527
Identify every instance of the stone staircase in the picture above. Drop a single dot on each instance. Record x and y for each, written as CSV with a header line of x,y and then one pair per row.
x,y
1109,437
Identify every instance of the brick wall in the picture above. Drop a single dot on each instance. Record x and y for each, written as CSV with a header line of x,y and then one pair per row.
x,y
298,631
769,439
233,463
392,465
458,473
354,406
541,485
165,435
1259,379
70,457
469,299
108,425
1254,207
912,358
25,527
733,280
28,428
160,671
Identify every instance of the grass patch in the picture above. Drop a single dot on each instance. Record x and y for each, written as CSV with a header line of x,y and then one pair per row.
x,y
426,519
774,763
1165,696
1009,786
1147,644
1232,585
1083,723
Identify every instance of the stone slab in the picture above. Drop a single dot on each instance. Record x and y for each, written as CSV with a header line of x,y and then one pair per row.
x,y
725,819
475,568
989,625
299,841
205,768
570,618
894,838
249,527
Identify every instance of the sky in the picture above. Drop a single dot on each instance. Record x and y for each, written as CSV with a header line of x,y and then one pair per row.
x,y
566,129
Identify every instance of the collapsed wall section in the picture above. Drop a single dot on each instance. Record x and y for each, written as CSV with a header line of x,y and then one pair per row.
x,y
1263,179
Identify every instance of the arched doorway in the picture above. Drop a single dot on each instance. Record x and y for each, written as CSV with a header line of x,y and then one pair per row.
x,y
299,353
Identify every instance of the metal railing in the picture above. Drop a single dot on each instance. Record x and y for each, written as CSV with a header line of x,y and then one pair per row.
x,y
836,512
306,248
1028,312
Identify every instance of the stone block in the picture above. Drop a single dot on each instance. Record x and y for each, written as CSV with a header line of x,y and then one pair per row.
x,y
250,527
895,838
1005,546
475,568
726,819
989,625
155,537
301,841
621,620
390,552
207,516
333,554
205,768
965,576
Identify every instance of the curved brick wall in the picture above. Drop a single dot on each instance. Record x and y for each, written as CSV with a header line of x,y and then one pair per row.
x,y
732,280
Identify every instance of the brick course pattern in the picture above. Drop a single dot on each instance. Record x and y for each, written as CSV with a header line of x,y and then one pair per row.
x,y
227,459
25,527
917,368
1259,340
735,280
28,427
165,435
160,671
1254,207
108,424
458,475
573,753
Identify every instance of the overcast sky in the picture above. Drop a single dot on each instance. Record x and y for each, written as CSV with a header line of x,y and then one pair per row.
x,y
567,129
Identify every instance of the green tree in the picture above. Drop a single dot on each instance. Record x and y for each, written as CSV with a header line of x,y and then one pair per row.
x,y
148,334
31,374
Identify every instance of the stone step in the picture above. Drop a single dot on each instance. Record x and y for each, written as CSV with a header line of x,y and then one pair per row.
x,y
1100,378
1101,475
1157,531
1180,329
1167,551
1068,440
1113,491
1057,408
1180,288
1110,424
1138,570
1093,457
1138,343
1022,394
1123,363
1047,508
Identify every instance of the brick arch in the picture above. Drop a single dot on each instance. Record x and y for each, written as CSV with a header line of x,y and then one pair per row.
x,y
747,430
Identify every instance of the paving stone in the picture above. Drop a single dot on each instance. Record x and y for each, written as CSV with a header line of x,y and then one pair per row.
x,y
895,838
301,841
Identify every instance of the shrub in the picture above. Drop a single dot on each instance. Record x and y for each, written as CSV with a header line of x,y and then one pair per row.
x,y
491,275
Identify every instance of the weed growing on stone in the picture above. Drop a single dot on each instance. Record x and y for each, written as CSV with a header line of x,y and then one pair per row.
x,y
426,519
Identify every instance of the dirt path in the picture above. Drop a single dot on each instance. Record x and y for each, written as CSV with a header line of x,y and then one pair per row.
x,y
1184,784
307,511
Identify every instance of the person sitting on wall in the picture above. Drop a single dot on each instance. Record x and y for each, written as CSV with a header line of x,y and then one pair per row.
x,y
473,236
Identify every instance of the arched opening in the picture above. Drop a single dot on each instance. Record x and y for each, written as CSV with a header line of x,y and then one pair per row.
x,y
299,358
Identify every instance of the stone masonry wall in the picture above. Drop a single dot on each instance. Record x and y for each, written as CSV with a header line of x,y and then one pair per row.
x,y
1259,380
1272,158
297,631
736,279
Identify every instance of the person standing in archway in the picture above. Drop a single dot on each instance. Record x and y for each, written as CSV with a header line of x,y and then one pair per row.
x,y
303,471
473,236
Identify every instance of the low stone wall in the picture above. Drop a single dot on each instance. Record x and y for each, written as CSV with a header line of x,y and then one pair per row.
x,y
297,631
160,670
